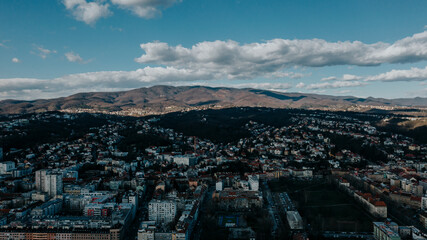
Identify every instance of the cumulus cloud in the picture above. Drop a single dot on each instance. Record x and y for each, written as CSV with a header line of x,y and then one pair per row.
x,y
344,77
242,61
87,11
336,84
73,57
42,52
300,85
350,77
413,74
145,8
328,78
16,60
395,75
90,11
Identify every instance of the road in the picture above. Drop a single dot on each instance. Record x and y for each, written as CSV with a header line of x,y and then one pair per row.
x,y
197,232
141,215
273,211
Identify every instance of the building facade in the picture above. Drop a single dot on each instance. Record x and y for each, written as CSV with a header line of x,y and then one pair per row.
x,y
162,211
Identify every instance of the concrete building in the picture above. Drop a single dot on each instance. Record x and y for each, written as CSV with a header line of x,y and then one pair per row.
x,y
39,196
237,200
253,182
53,184
386,231
50,208
41,180
294,220
219,186
188,160
131,198
6,167
373,205
162,211
424,202
100,234
423,219
147,230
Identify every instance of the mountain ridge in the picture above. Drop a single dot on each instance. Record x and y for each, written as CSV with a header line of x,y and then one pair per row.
x,y
162,99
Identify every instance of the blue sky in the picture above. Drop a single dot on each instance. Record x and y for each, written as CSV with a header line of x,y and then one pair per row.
x,y
362,48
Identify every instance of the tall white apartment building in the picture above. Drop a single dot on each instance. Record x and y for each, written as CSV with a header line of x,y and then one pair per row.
x,y
162,211
219,186
49,182
253,182
41,180
54,185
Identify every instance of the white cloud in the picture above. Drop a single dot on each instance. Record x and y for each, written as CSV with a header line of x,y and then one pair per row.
x,y
395,75
145,8
413,74
300,85
320,91
336,84
42,52
88,11
350,77
328,78
265,85
16,60
243,61
344,77
73,57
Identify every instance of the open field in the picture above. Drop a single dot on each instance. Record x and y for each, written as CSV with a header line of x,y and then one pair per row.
x,y
324,208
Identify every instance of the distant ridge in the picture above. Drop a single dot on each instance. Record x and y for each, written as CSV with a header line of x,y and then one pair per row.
x,y
163,99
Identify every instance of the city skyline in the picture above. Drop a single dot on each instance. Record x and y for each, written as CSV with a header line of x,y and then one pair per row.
x,y
57,48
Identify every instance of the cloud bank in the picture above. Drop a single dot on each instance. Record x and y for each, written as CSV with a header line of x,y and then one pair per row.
x,y
395,75
336,84
243,60
413,74
230,60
